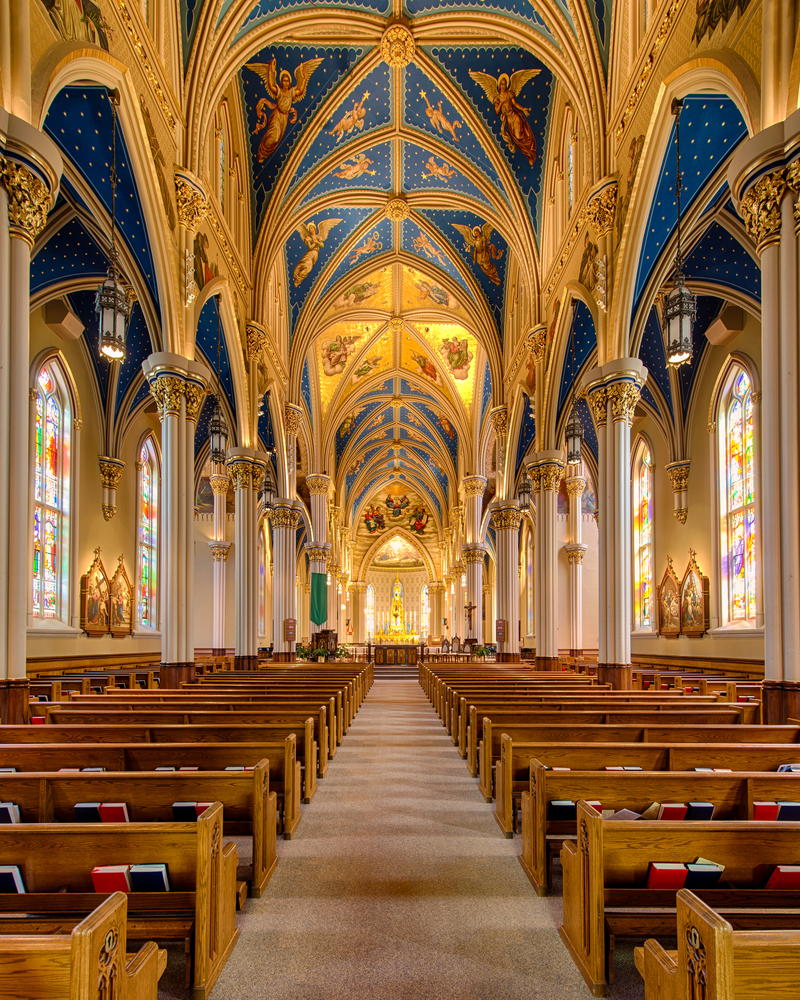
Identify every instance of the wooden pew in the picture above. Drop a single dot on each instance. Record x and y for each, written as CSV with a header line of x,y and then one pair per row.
x,y
249,807
89,962
732,794
202,874
715,962
605,874
305,745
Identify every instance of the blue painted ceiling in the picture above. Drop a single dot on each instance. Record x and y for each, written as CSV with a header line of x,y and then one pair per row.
x,y
207,343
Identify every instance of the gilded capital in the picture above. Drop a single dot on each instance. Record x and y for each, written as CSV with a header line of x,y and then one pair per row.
x,y
473,554
219,553
241,471
293,416
537,343
575,554
678,473
28,200
536,479
575,486
361,587
167,390
761,209
219,484
550,476
256,340
623,397
601,210
793,180
111,470
318,554
597,404
191,201
195,396
318,485
474,486
285,517
507,518
499,418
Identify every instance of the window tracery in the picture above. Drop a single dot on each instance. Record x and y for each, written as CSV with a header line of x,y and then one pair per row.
x,y
643,539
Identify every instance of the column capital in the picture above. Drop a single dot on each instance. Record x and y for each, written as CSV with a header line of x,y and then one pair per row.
x,y
191,199
499,418
246,468
256,336
474,486
219,550
575,553
537,343
284,516
575,486
602,207
293,416
618,385
361,586
473,553
455,515
678,473
318,553
220,484
506,518
318,484
173,378
549,469
30,168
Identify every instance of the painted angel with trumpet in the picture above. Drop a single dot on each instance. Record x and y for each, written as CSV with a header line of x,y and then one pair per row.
x,y
314,236
503,93
285,95
478,241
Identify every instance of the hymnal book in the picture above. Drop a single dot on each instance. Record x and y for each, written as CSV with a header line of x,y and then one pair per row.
x,y
700,810
710,770
87,812
184,812
783,767
702,876
111,878
234,768
614,768
784,877
624,814
562,809
188,768
37,720
167,768
765,810
560,768
92,769
742,697
652,811
202,806
70,769
631,768
595,804
666,875
149,878
723,770
114,812
8,770
673,811
11,879
42,697
9,812
788,810
250,767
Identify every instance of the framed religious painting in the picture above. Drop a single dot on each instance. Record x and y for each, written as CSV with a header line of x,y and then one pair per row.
x,y
695,617
669,603
121,602
95,598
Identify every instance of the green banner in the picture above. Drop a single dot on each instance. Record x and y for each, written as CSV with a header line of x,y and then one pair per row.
x,y
319,598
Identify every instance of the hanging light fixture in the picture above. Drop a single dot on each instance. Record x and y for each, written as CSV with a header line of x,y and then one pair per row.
x,y
112,303
680,306
574,432
267,489
524,493
218,427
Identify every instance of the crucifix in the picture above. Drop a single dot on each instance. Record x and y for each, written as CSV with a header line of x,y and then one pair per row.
x,y
468,609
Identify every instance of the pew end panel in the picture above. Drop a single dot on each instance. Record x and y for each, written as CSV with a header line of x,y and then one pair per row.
x,y
215,904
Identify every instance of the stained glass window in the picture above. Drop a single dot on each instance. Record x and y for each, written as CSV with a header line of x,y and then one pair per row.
x,y
643,539
739,520
48,495
424,617
147,542
370,611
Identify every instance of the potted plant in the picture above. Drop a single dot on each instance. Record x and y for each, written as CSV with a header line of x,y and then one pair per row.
x,y
342,651
320,652
302,652
481,651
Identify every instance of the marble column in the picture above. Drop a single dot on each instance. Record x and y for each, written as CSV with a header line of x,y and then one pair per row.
x,y
293,416
178,386
506,520
318,553
304,616
764,176
246,468
341,605
285,518
30,168
546,475
473,552
613,392
575,550
360,623
220,482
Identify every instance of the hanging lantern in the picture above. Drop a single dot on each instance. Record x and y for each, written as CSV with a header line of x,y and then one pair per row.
x,y
218,433
574,437
267,495
525,492
680,306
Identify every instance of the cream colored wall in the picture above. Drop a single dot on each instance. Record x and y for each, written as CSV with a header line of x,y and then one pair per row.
x,y
115,537
675,539
204,585
382,580
589,580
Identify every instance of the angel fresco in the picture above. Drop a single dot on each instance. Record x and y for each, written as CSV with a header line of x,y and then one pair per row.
x,y
422,244
502,94
457,356
335,353
349,421
372,243
354,166
711,12
435,294
352,119
443,172
285,95
367,366
357,294
438,118
314,237
426,366
478,241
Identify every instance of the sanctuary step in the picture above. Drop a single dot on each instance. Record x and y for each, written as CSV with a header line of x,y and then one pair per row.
x,y
396,672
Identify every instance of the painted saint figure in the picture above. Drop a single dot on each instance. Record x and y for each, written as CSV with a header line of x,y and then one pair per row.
x,y
503,93
285,96
457,356
314,237
483,251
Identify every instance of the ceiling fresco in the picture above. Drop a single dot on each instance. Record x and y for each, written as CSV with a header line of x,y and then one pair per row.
x,y
398,552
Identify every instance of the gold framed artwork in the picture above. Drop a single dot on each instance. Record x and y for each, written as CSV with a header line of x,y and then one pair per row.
x,y
95,598
695,614
669,603
121,602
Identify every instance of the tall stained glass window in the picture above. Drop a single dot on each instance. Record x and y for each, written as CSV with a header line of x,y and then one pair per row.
x,y
147,537
50,440
739,516
425,611
370,611
643,539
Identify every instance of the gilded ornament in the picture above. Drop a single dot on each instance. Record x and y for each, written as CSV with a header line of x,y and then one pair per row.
x,y
139,48
499,418
793,180
571,240
258,473
601,210
219,553
397,45
474,486
219,485
575,554
575,486
678,473
293,417
195,394
256,340
241,473
28,200
506,518
167,391
285,517
536,479
317,554
623,397
361,587
318,485
755,396
550,476
110,473
597,399
473,554
397,324
192,203
761,209
233,264
537,344
397,209
680,513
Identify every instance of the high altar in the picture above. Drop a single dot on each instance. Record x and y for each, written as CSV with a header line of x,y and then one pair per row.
x,y
399,629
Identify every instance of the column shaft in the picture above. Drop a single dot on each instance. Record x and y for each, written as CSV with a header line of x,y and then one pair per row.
x,y
285,518
506,521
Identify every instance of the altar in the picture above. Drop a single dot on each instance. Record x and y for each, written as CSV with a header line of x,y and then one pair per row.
x,y
394,653
398,632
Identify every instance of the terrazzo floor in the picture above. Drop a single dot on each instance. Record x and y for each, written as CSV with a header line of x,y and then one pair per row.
x,y
399,884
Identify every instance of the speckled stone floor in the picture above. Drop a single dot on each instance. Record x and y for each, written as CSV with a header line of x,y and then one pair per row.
x,y
399,884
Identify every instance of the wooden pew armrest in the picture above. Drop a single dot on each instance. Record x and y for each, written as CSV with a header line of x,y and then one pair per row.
x,y
659,969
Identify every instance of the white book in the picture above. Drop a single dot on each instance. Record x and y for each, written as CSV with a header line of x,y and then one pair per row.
x,y
11,879
9,812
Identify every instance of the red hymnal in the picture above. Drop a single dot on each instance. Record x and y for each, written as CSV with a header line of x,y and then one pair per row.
x,y
666,876
673,810
595,804
200,807
111,878
765,810
114,812
784,877
37,720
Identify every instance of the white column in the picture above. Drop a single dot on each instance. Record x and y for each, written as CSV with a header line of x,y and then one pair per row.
x,y
294,419
614,391
220,482
506,521
246,468
319,488
575,549
178,386
285,517
546,475
473,553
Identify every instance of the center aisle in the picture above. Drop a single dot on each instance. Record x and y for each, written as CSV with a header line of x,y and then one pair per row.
x,y
399,883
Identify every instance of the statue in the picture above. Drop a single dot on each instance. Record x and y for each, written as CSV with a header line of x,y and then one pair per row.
x,y
468,609
397,619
